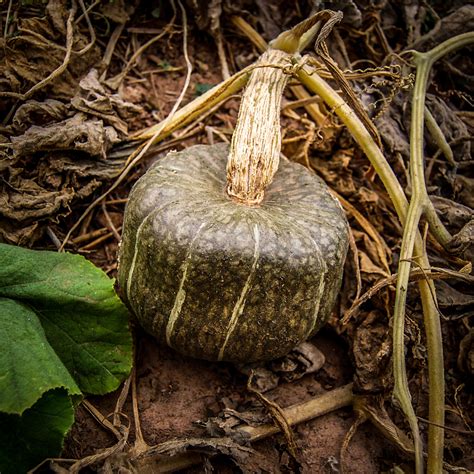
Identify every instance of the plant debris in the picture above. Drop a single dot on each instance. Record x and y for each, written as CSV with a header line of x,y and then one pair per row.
x,y
62,143
69,143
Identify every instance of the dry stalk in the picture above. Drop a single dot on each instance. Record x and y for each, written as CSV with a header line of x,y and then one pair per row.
x,y
109,222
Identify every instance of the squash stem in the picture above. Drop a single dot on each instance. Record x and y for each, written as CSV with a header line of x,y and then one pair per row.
x,y
256,142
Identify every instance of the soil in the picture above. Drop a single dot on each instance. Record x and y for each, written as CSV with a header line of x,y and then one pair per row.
x,y
175,394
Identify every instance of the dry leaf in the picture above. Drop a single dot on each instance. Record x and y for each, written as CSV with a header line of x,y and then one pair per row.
x,y
372,351
77,133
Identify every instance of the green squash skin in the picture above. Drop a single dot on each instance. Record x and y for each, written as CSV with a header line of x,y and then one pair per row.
x,y
219,280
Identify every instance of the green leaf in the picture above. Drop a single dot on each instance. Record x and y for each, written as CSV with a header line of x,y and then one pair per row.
x,y
62,330
37,434
84,321
28,365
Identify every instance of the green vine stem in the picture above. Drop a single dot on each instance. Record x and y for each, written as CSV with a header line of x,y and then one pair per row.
x,y
419,204
438,136
436,226
319,86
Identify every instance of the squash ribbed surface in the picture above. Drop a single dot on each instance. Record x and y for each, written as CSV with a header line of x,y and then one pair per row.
x,y
219,280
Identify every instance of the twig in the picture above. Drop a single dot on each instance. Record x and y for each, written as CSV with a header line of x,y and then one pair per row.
x,y
140,444
85,11
53,237
89,26
109,222
9,9
361,418
348,93
249,32
117,201
41,40
356,263
121,401
101,418
90,235
381,245
100,456
110,48
449,428
95,242
221,53
457,164
458,406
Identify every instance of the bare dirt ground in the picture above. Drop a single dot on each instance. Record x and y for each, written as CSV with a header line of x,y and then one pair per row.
x,y
175,392
55,175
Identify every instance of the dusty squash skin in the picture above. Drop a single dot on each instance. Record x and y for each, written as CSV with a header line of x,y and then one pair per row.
x,y
219,280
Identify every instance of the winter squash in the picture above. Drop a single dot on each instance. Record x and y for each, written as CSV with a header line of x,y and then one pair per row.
x,y
217,279
225,255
